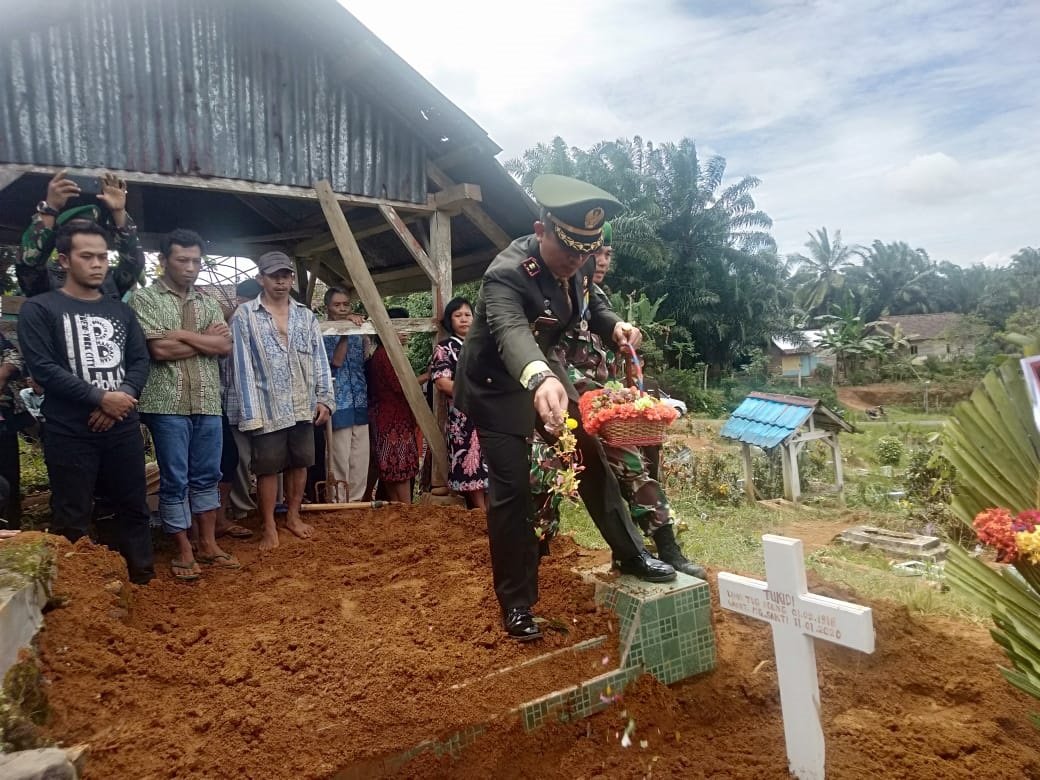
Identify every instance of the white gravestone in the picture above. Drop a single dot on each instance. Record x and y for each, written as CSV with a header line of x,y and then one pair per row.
x,y
797,617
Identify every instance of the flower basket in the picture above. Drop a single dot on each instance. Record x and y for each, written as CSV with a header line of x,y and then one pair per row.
x,y
633,433
625,416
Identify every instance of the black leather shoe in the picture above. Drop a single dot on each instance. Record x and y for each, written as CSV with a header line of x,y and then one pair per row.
x,y
520,625
682,564
668,550
647,568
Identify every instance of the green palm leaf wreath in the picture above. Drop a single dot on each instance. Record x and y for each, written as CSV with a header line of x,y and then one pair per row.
x,y
992,440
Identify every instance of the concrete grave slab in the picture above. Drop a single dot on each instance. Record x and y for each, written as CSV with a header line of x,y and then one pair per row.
x,y
905,545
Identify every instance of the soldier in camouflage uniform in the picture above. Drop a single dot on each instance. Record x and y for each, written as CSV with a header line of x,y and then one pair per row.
x,y
590,366
37,267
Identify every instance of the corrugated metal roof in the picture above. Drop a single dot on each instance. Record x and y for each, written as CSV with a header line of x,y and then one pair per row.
x,y
210,89
765,422
768,419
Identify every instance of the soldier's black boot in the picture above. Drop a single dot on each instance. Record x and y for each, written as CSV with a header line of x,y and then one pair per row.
x,y
668,550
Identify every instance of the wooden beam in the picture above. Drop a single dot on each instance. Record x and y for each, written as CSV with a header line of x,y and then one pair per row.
x,y
801,438
216,184
287,235
8,176
269,211
409,241
456,195
407,325
749,477
440,254
486,225
473,211
373,302
322,242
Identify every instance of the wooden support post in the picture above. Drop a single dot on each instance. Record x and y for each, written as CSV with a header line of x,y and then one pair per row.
x,y
796,483
839,473
440,258
369,294
440,254
749,482
304,282
473,210
414,248
785,471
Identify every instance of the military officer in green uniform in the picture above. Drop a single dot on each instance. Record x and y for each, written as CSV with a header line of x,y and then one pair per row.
x,y
510,381
590,366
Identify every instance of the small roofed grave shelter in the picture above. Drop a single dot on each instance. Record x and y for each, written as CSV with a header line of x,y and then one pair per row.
x,y
262,125
788,422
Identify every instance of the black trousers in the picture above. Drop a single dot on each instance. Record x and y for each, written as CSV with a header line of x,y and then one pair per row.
x,y
514,547
10,469
112,467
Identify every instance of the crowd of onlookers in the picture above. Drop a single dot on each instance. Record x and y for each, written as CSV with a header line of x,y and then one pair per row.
x,y
250,408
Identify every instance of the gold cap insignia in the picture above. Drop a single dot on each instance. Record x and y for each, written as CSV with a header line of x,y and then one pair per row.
x,y
594,218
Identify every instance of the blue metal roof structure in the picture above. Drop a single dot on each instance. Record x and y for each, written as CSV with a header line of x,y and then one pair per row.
x,y
767,420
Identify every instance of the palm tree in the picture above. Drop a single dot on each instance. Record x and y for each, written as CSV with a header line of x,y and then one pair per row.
x,y
819,277
894,279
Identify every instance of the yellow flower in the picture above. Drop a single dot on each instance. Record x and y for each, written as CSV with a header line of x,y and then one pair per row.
x,y
1028,543
572,423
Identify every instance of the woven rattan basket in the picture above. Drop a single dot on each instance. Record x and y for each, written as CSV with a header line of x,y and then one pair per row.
x,y
633,432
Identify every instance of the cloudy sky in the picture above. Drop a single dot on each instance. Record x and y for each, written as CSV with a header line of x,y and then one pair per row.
x,y
909,121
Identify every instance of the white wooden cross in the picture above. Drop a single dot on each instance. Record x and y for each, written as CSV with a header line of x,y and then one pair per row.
x,y
797,617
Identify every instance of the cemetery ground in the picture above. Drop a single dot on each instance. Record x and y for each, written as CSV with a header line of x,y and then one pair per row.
x,y
325,658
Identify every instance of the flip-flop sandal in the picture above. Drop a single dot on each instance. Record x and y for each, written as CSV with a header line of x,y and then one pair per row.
x,y
222,561
236,531
186,569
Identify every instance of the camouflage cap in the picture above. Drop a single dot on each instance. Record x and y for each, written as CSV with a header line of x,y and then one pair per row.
x,y
576,209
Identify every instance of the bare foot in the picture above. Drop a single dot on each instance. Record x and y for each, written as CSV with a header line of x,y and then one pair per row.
x,y
299,528
269,540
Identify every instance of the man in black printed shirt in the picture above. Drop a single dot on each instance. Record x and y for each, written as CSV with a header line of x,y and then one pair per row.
x,y
89,353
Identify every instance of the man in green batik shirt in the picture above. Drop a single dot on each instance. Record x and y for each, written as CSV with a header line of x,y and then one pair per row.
x,y
181,402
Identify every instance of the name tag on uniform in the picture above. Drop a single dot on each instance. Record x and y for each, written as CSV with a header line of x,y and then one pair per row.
x,y
546,322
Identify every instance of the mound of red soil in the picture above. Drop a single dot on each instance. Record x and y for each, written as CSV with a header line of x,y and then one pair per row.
x,y
940,394
929,703
361,643
323,657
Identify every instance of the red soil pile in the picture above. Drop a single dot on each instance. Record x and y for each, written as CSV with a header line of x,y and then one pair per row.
x,y
324,657
929,703
316,656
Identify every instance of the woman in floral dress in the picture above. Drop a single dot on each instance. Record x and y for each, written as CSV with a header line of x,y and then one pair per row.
x,y
469,475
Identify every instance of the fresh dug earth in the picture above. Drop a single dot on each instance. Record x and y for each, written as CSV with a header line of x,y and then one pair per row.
x,y
320,655
941,394
929,703
324,657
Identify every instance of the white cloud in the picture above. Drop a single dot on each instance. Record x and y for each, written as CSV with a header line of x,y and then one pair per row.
x,y
910,122
930,179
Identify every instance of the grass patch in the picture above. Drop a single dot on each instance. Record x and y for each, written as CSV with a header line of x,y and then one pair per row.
x,y
22,561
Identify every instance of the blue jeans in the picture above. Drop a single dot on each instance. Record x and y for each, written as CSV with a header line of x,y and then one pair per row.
x,y
187,448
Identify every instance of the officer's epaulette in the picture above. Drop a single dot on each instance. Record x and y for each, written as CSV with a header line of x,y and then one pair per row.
x,y
531,266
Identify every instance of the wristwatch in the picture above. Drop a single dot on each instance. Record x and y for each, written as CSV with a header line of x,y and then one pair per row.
x,y
45,208
537,379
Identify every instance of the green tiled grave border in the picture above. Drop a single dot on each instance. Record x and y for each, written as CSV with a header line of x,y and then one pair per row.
x,y
664,630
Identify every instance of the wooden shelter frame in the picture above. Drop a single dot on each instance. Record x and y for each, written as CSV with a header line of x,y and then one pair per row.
x,y
791,447
334,256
